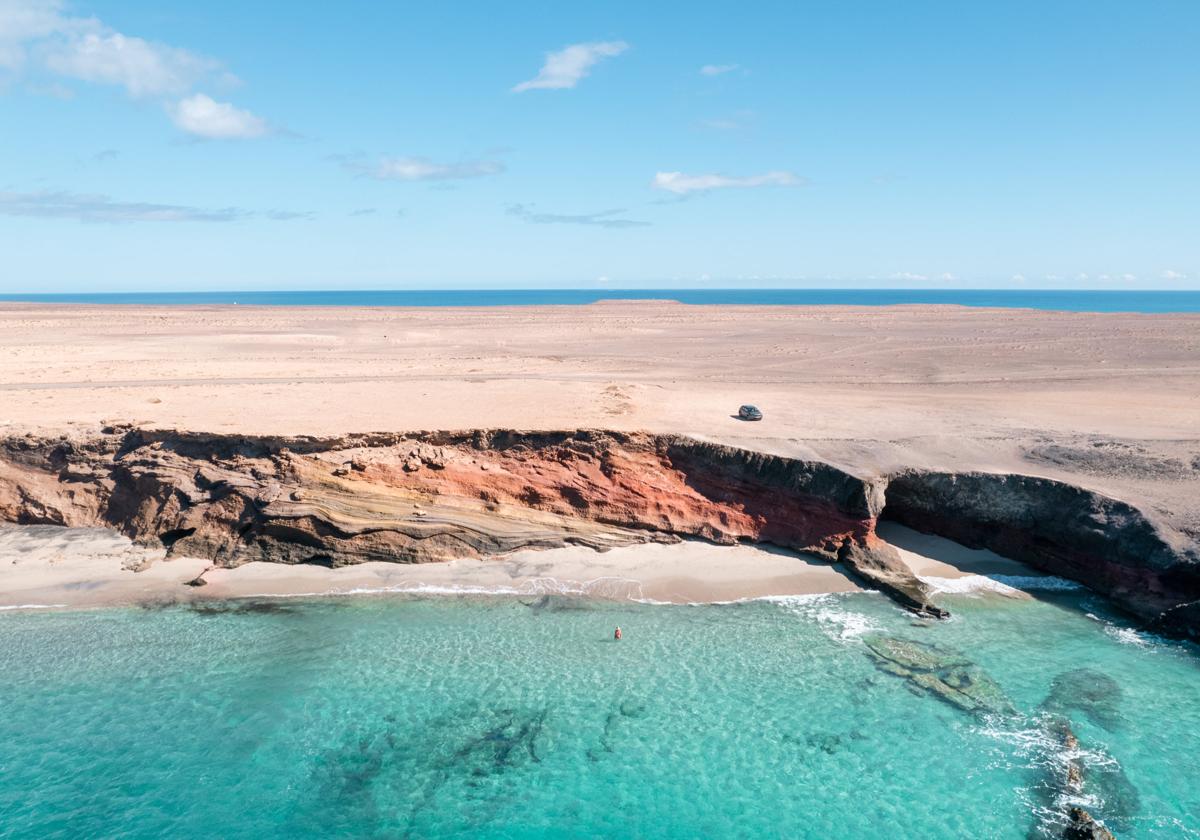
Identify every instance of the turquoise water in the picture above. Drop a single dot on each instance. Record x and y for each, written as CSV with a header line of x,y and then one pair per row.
x,y
1057,299
492,717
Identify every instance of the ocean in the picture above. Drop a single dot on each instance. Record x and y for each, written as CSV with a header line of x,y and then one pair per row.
x,y
490,717
1072,301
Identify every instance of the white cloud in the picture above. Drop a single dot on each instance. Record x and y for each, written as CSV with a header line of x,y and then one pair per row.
x,y
1018,278
1173,275
908,275
717,69
141,67
22,21
101,208
290,215
947,276
37,39
604,219
681,184
423,169
1128,278
564,69
202,116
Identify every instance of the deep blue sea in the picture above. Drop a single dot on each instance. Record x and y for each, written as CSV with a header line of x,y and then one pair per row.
x,y
1073,301
490,717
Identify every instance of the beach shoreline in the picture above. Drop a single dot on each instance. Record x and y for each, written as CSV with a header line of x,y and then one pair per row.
x,y
49,567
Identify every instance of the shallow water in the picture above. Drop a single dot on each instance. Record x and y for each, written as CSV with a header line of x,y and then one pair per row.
x,y
493,717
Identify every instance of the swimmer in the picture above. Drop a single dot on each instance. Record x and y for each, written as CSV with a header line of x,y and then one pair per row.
x,y
617,634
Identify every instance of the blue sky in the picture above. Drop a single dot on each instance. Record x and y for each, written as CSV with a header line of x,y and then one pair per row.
x,y
233,145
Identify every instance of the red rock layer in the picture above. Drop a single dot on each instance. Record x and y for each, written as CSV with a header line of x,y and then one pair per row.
x,y
437,496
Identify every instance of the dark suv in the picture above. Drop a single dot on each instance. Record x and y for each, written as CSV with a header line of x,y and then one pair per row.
x,y
749,412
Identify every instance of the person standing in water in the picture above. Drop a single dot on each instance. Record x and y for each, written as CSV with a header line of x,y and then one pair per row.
x,y
617,634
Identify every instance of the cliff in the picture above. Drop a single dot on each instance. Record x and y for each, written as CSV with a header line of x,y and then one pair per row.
x,y
435,496
1146,567
428,497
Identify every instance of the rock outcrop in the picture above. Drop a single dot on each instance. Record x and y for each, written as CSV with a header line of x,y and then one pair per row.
x,y
1108,545
441,495
1083,826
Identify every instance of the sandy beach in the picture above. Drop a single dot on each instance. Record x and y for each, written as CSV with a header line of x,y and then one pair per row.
x,y
46,567
1106,401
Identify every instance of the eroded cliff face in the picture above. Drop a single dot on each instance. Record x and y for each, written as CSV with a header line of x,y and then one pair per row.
x,y
1108,545
440,495
434,496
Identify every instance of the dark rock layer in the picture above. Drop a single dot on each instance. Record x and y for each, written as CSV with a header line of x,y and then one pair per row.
x,y
1108,545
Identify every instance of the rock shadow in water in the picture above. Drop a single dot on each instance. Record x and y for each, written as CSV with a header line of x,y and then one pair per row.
x,y
559,603
242,607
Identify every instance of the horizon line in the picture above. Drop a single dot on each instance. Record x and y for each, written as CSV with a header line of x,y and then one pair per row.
x,y
614,289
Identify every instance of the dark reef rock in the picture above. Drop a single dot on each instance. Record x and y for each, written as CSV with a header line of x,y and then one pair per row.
x,y
1074,775
942,673
1083,826
1096,695
244,607
1181,621
511,738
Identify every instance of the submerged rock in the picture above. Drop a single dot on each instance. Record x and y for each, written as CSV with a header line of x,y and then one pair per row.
x,y
626,710
241,607
1093,693
1074,775
945,674
510,738
555,603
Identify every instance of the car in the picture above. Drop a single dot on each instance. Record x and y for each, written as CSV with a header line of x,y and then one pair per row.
x,y
749,412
